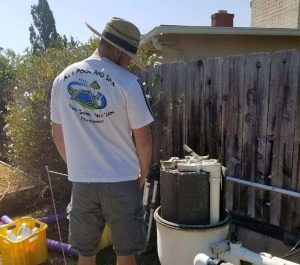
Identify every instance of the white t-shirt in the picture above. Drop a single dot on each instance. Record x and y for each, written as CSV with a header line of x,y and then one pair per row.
x,y
98,104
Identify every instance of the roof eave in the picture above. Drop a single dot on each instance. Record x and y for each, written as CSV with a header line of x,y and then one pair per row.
x,y
205,30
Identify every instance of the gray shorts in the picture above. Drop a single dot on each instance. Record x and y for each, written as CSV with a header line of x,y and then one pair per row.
x,y
119,205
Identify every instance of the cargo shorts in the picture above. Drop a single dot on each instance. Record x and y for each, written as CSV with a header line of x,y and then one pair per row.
x,y
119,204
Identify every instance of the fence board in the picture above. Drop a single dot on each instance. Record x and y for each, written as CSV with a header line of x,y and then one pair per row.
x,y
193,106
281,124
177,107
212,96
233,73
166,121
154,82
255,101
294,218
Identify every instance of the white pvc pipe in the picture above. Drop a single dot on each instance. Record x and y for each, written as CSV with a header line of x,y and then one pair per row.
x,y
214,190
153,200
201,259
237,253
264,187
193,167
146,193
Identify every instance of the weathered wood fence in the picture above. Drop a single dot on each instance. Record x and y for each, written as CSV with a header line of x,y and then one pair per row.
x,y
243,110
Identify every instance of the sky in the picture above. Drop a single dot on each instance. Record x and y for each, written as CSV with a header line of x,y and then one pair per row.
x,y
70,16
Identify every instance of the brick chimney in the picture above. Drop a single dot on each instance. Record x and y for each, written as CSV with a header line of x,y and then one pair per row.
x,y
222,19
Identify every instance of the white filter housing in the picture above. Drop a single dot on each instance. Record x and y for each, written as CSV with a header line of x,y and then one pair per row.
x,y
179,245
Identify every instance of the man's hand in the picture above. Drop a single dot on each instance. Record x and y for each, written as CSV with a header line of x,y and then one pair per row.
x,y
143,143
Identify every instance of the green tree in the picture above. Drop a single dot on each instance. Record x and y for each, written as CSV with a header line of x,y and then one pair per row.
x,y
44,23
6,65
8,61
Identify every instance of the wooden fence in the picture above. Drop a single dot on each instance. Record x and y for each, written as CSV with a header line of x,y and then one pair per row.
x,y
243,110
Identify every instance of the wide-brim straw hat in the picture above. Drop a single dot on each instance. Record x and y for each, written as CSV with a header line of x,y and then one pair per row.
x,y
123,35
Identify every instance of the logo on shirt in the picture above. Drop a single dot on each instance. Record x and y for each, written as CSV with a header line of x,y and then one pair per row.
x,y
87,95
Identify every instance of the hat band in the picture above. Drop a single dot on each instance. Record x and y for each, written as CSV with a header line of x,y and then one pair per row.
x,y
115,39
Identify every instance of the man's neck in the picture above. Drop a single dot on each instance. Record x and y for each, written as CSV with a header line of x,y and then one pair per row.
x,y
96,54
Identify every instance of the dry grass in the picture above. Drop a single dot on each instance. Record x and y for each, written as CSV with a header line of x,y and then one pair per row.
x,y
12,179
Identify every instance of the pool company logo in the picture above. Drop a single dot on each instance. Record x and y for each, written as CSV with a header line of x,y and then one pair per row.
x,y
87,95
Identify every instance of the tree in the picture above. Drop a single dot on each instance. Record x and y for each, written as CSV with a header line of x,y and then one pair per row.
x,y
7,64
8,60
44,23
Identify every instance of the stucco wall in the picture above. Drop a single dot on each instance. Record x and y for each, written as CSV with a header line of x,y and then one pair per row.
x,y
196,47
275,13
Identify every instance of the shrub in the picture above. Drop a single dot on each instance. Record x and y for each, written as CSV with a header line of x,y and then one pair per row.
x,y
28,121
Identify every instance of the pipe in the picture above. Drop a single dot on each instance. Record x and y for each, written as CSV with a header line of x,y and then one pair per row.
x,y
264,187
191,152
146,196
214,171
152,208
52,218
201,259
57,246
237,253
161,47
51,244
5,219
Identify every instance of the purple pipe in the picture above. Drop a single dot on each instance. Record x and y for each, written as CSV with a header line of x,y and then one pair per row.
x,y
52,218
51,244
5,219
57,246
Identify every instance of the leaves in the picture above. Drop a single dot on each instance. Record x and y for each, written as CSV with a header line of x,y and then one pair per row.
x,y
28,118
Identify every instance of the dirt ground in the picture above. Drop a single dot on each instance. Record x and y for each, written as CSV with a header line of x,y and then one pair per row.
x,y
38,203
12,179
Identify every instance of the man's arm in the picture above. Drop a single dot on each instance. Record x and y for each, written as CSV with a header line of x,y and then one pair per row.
x,y
143,143
58,138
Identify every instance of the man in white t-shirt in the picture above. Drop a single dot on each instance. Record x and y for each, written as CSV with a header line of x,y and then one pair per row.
x,y
96,107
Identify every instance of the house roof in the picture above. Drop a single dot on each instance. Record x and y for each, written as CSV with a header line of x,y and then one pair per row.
x,y
207,30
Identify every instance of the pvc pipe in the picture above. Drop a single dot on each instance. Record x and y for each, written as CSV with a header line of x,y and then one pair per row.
x,y
264,187
153,201
191,152
194,167
52,218
57,246
237,253
214,170
146,193
201,259
5,219
51,244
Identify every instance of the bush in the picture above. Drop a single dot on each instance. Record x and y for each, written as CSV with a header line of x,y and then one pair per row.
x,y
7,75
28,121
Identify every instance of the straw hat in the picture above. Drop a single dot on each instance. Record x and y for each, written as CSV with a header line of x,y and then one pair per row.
x,y
123,35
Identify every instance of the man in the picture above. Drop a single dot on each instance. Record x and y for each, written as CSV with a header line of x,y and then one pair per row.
x,y
96,106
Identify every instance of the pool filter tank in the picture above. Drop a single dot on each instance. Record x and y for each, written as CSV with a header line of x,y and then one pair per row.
x,y
191,216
